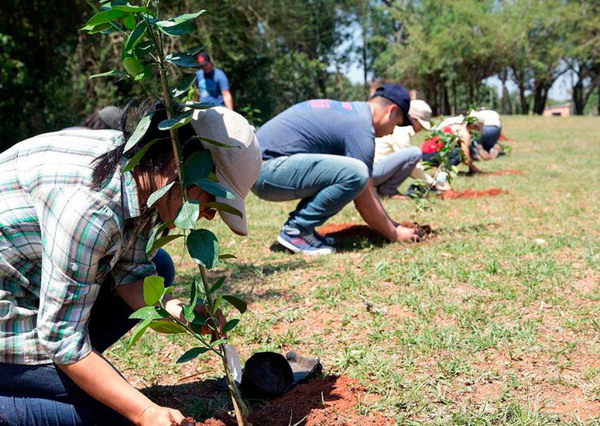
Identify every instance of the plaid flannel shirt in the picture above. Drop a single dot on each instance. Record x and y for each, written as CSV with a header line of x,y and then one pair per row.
x,y
59,240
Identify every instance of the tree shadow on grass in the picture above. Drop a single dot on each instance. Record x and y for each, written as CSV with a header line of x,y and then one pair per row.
x,y
201,400
209,399
248,275
349,237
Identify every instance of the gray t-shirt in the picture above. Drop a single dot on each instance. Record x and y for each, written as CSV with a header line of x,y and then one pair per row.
x,y
320,126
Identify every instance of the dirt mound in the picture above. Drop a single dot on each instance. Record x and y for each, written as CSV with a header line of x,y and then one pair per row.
x,y
331,400
469,193
341,231
326,401
504,172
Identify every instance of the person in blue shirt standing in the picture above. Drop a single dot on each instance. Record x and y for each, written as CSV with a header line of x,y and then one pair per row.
x,y
212,83
321,152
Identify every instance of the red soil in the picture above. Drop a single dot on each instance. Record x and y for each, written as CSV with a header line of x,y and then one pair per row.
x,y
330,400
469,193
353,230
504,138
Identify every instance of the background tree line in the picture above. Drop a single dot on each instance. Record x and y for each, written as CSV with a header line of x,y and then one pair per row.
x,y
277,53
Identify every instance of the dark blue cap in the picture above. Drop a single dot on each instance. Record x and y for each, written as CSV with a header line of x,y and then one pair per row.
x,y
398,95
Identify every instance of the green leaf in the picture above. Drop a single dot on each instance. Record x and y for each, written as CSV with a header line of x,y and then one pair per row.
x,y
173,123
214,142
155,232
154,287
131,9
188,312
138,156
226,256
217,285
107,74
174,29
139,132
238,303
129,22
158,194
167,327
144,48
200,105
217,304
230,325
103,17
223,208
218,342
191,354
194,295
187,216
203,246
183,85
212,188
187,16
100,28
198,166
134,38
133,66
145,313
182,60
138,331
163,241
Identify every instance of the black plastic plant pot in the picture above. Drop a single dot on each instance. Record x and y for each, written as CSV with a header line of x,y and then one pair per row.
x,y
266,375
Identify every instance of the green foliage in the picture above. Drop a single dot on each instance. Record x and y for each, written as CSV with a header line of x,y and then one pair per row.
x,y
143,58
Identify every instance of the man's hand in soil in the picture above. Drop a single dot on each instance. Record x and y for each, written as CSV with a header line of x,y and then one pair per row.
x,y
406,234
443,187
156,415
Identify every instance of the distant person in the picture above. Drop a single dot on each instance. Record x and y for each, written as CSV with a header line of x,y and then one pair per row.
x,y
431,147
321,152
396,158
212,83
487,146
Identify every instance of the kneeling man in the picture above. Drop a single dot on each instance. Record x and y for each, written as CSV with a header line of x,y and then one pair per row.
x,y
321,152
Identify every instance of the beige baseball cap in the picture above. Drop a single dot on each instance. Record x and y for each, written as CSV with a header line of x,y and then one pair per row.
x,y
237,167
420,111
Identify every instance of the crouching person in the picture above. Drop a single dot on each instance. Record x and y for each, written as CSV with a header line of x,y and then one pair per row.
x,y
73,231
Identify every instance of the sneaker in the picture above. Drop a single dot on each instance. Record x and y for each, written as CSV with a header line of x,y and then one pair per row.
x,y
305,243
330,241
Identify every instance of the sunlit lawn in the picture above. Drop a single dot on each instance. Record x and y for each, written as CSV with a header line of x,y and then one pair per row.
x,y
495,320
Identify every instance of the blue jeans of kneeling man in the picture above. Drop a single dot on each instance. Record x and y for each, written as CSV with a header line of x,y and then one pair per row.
x,y
324,184
43,395
391,171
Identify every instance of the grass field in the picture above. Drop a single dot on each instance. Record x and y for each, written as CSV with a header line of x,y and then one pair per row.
x,y
496,320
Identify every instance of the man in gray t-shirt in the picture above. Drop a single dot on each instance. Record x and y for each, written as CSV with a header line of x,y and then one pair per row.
x,y
321,152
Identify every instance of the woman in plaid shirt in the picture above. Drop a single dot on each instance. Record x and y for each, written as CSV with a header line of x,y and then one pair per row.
x,y
73,231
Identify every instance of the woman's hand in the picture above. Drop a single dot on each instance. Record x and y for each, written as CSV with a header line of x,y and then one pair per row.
x,y
205,329
155,415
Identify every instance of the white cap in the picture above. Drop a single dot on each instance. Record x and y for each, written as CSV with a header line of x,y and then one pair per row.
x,y
236,168
420,111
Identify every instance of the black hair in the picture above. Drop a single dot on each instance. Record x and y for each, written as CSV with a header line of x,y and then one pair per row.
x,y
158,157
94,122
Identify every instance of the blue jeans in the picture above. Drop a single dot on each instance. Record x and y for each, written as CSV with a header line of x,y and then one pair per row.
x,y
489,137
323,183
42,395
392,170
